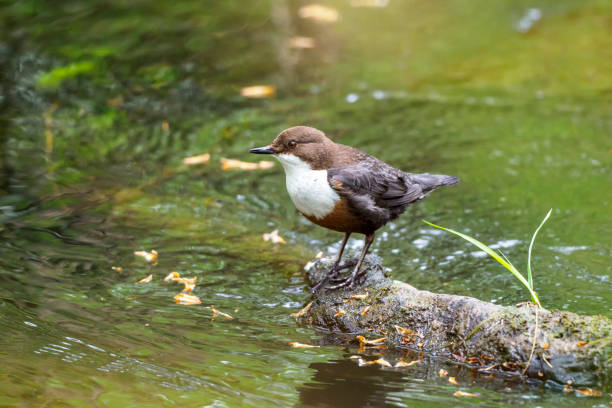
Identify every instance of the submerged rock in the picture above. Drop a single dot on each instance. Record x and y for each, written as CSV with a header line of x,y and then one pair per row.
x,y
568,347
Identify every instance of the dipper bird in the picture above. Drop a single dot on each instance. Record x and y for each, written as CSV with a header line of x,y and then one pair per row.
x,y
344,189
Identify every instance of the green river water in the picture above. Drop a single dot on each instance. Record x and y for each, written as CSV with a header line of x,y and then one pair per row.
x,y
101,101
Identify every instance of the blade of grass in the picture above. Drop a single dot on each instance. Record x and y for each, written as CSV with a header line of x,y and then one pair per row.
x,y
529,276
505,263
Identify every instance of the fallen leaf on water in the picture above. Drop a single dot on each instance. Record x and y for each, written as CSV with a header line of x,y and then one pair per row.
x,y
403,363
148,256
381,361
588,392
303,311
453,381
582,343
274,237
319,12
360,297
146,280
295,344
265,164
218,312
492,366
172,276
117,268
443,372
365,310
340,313
363,341
188,282
233,164
185,299
301,42
369,3
258,91
464,394
199,159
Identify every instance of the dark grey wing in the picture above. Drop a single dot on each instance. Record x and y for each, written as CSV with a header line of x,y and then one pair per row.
x,y
375,189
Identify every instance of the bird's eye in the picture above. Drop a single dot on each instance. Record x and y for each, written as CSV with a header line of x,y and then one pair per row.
x,y
292,143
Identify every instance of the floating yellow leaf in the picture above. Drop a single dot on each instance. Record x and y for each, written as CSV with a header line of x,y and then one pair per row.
x,y
369,3
464,394
185,299
188,282
199,159
295,344
258,91
340,313
303,311
363,341
403,363
233,164
274,237
588,392
381,361
146,280
453,381
492,366
148,256
265,164
443,372
218,312
319,12
301,42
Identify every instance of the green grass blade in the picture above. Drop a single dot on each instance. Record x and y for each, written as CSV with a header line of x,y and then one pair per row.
x,y
505,263
529,275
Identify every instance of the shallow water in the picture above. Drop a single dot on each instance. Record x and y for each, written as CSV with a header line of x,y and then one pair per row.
x,y
520,112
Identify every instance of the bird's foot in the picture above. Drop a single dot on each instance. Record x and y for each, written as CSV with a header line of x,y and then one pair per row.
x,y
332,274
347,282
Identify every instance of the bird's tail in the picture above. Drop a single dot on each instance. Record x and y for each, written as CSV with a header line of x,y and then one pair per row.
x,y
430,182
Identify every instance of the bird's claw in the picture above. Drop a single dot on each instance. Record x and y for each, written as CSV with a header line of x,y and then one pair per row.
x,y
350,281
331,275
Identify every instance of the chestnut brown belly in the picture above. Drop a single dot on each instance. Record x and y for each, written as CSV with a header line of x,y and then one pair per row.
x,y
342,219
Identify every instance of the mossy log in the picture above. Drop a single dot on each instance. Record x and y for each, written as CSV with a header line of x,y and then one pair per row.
x,y
568,347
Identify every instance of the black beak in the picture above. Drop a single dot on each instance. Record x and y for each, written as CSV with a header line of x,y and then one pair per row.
x,y
261,150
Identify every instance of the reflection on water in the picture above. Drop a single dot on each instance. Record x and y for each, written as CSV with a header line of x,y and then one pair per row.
x,y
95,125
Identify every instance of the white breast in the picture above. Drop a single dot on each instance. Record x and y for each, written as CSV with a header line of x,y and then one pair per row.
x,y
308,189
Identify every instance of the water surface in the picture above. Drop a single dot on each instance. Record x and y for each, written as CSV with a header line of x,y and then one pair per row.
x,y
102,100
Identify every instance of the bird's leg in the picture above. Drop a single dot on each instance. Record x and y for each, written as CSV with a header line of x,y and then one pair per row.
x,y
351,280
335,267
